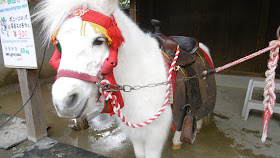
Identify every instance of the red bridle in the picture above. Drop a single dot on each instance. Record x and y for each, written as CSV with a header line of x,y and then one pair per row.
x,y
106,72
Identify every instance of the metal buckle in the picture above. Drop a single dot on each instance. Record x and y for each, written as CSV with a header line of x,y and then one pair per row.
x,y
126,88
105,87
188,108
115,88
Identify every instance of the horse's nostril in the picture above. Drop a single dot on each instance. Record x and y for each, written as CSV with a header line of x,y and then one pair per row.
x,y
72,100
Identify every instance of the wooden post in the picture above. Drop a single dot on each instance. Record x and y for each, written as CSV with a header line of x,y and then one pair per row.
x,y
34,113
264,15
132,11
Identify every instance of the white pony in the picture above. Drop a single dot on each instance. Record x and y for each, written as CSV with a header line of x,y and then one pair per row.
x,y
140,62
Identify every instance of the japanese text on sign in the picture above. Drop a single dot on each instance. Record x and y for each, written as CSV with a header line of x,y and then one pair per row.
x,y
16,34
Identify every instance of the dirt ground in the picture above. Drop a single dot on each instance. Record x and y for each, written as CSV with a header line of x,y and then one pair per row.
x,y
227,135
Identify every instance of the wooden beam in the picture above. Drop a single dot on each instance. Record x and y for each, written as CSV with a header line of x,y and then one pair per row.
x,y
34,113
132,10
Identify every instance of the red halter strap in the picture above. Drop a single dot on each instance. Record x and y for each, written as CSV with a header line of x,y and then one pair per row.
x,y
77,75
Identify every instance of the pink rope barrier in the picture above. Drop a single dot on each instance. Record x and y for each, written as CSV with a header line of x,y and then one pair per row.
x,y
271,47
269,89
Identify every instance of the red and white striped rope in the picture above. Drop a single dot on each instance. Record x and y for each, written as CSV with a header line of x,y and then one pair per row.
x,y
271,47
113,99
269,89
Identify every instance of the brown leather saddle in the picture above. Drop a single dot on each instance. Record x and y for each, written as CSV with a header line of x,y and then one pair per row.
x,y
194,97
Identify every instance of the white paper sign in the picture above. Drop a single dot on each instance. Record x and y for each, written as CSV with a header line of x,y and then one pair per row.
x,y
17,35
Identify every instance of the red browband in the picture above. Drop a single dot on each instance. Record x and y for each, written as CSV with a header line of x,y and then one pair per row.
x,y
97,18
112,31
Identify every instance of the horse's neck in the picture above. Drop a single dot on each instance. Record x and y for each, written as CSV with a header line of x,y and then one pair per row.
x,y
140,63
134,36
140,56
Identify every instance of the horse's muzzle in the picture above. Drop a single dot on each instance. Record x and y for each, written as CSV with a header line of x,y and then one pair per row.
x,y
70,97
74,112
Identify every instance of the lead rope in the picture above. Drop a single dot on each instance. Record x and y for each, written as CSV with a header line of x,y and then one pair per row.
x,y
269,89
116,106
273,45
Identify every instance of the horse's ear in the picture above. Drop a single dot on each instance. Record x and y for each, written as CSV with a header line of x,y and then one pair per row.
x,y
106,7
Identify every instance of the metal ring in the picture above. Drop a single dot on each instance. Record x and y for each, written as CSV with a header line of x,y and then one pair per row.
x,y
136,87
127,88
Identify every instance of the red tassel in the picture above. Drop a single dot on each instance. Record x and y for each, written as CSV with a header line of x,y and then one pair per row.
x,y
115,34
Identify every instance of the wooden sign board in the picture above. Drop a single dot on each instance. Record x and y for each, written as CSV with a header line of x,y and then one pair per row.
x,y
19,52
17,35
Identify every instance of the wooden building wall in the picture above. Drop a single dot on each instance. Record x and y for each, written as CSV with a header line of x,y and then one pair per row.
x,y
231,29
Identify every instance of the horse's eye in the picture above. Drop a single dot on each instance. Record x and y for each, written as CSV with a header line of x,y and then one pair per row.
x,y
98,41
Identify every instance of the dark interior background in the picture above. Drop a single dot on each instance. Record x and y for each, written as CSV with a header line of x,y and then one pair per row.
x,y
231,29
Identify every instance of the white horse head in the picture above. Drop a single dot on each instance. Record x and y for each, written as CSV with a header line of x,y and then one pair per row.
x,y
83,54
84,47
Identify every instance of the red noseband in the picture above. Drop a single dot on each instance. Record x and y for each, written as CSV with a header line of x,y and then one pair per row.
x,y
77,75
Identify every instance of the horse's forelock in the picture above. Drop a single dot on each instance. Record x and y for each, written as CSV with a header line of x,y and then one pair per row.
x,y
53,13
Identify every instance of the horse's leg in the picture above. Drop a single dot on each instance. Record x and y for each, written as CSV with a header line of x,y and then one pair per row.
x,y
177,144
203,122
139,149
153,150
157,135
199,125
154,146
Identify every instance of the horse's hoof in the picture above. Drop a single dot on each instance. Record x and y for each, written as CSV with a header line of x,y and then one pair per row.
x,y
198,131
176,147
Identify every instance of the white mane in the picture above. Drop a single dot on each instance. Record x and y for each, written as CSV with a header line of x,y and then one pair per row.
x,y
53,13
